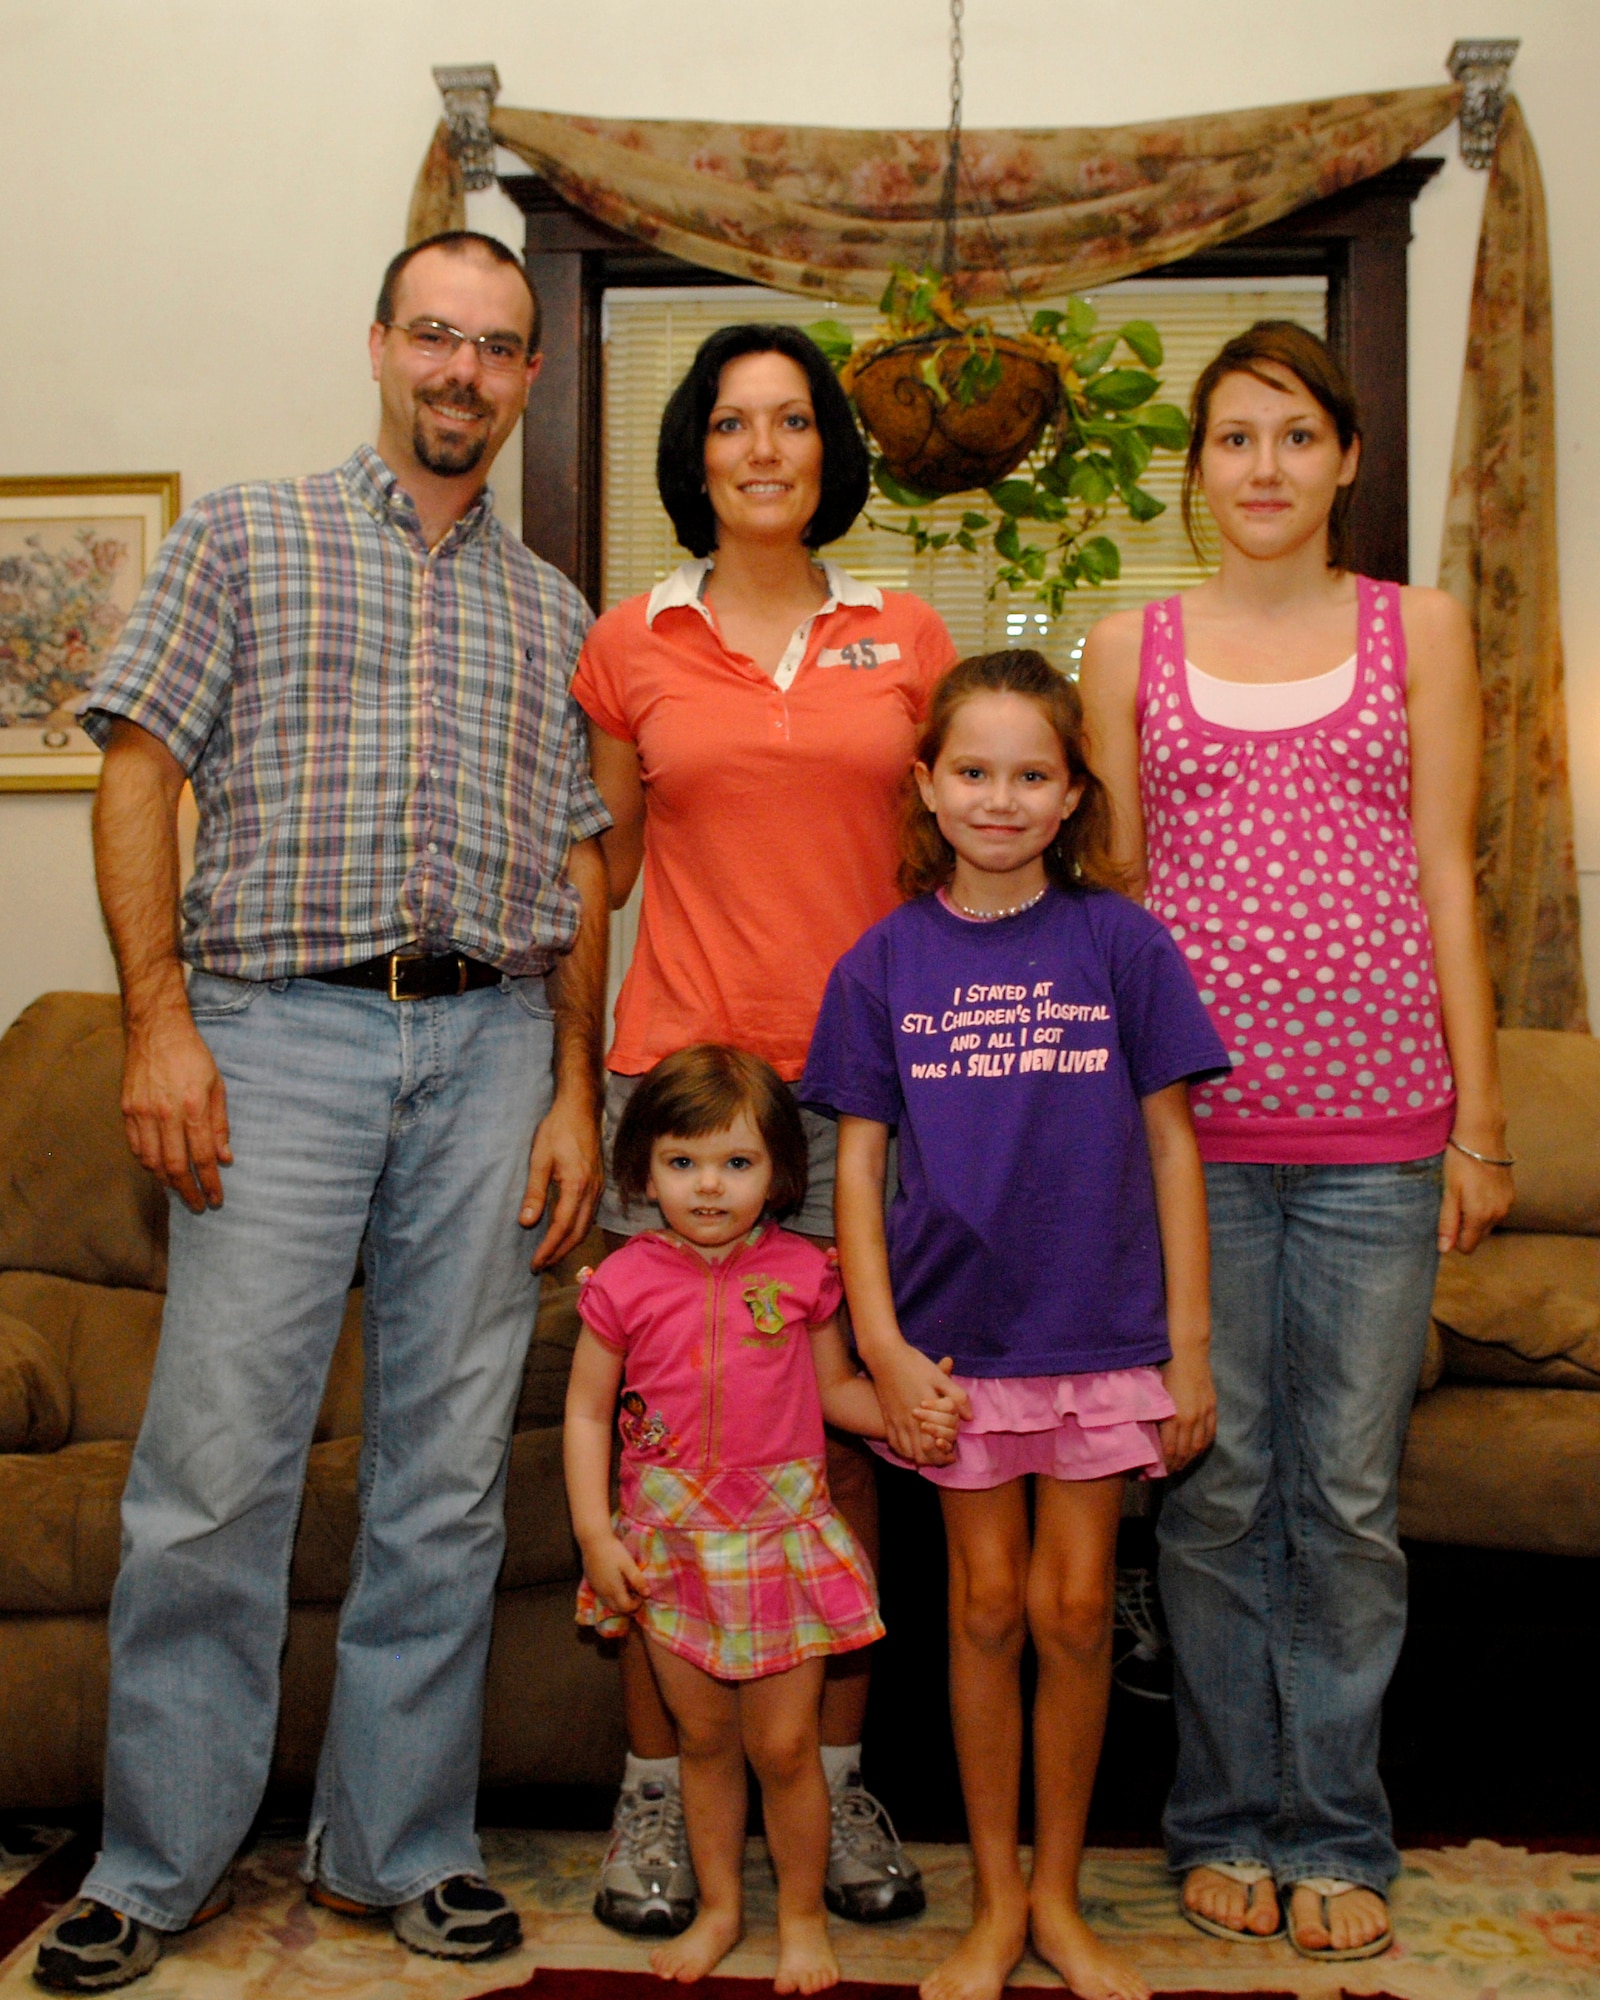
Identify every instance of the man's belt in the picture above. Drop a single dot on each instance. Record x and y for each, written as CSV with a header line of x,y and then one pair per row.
x,y
413,975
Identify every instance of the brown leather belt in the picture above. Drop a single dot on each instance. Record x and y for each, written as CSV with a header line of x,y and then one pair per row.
x,y
413,975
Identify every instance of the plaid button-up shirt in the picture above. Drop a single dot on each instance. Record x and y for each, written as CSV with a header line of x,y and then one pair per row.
x,y
380,736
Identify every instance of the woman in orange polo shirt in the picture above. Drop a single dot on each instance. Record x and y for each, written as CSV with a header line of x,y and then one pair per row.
x,y
751,722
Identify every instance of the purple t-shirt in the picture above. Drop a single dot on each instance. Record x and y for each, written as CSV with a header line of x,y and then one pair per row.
x,y
1012,1057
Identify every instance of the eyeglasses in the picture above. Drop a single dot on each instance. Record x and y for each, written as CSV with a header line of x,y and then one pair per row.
x,y
498,353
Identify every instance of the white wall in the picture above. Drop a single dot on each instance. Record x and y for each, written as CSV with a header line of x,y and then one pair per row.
x,y
202,193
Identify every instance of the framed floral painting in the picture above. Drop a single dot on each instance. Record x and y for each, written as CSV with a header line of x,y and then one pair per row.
x,y
73,553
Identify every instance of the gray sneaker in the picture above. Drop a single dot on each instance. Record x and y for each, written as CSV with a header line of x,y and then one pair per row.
x,y
459,1918
90,1948
647,1886
870,1878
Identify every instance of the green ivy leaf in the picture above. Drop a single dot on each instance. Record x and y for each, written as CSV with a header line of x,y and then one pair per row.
x,y
1093,359
1130,454
1048,506
1013,496
1145,341
1080,319
1106,556
964,539
974,520
836,341
1122,389
1091,484
1165,426
1007,541
1033,563
886,303
901,495
1141,505
1045,323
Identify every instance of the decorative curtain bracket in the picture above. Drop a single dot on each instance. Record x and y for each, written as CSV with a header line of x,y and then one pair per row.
x,y
469,91
1483,70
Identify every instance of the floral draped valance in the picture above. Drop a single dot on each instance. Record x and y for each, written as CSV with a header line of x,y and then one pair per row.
x,y
813,210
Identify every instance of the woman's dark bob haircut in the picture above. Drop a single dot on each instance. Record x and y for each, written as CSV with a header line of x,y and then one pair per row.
x,y
702,1090
1278,343
681,450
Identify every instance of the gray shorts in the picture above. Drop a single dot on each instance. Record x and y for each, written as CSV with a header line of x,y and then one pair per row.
x,y
814,1217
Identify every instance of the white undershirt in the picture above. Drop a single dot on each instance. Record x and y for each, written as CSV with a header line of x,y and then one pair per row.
x,y
1270,704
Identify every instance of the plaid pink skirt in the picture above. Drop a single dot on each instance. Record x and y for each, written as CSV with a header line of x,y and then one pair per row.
x,y
748,1571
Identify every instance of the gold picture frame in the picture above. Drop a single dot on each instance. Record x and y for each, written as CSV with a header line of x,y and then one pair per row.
x,y
74,550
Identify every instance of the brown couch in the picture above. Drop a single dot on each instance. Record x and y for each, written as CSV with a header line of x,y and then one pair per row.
x,y
1504,1446
82,1267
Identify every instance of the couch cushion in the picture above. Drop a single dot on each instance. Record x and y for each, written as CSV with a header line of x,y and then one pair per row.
x,y
62,1519
1523,1308
106,1342
1552,1087
35,1395
1504,1469
73,1200
63,1528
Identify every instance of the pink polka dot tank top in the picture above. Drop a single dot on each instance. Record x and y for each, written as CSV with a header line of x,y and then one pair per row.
x,y
1283,863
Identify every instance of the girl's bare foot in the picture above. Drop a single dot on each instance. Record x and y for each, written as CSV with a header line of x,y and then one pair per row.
x,y
806,1963
701,1948
1087,1963
1355,1918
983,1961
1251,1908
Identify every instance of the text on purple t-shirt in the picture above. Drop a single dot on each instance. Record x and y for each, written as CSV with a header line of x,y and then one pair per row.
x,y
1012,1057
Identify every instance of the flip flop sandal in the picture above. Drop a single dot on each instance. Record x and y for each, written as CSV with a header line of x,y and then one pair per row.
x,y
1325,1888
1249,1873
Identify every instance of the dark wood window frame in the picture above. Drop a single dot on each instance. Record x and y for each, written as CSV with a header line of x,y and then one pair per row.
x,y
1356,240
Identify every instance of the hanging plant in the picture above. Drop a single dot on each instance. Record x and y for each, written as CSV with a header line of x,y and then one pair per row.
x,y
1048,424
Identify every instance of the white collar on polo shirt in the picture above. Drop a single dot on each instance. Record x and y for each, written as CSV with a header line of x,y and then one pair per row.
x,y
686,588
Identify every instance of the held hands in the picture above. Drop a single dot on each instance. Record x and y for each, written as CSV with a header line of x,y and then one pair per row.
x,y
939,1419
918,1403
1189,1431
175,1107
1476,1197
615,1578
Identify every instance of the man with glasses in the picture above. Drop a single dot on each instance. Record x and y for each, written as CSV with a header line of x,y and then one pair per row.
x,y
388,1046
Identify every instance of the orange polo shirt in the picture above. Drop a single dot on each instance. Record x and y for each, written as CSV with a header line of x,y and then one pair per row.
x,y
771,805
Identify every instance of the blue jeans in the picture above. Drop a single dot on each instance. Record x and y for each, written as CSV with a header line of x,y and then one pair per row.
x,y
355,1121
1281,1570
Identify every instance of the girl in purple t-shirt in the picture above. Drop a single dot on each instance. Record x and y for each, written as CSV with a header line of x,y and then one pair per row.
x,y
721,1333
1031,1037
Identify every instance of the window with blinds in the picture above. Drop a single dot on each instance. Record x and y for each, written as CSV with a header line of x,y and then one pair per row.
x,y
650,336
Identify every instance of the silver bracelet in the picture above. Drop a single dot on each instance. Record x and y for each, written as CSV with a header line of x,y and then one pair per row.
x,y
1482,1159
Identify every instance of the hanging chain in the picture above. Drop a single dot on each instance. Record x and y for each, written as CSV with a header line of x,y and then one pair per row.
x,y
952,165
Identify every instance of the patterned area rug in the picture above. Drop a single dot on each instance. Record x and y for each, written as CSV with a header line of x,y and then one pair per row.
x,y
1474,1923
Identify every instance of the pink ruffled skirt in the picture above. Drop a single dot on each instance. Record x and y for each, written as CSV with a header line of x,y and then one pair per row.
x,y
1064,1426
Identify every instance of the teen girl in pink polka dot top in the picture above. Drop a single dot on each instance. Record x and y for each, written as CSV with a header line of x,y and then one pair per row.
x,y
1292,751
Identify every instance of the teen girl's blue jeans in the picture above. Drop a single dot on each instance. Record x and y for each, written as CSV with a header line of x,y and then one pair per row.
x,y
1281,1570
406,1126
